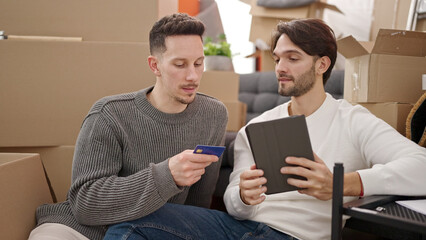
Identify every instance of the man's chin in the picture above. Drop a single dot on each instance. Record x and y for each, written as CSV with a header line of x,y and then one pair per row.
x,y
186,100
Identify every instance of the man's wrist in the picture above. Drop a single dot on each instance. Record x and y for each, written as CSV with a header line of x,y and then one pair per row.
x,y
352,185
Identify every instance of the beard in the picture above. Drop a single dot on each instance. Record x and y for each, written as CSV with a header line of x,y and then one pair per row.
x,y
188,98
301,85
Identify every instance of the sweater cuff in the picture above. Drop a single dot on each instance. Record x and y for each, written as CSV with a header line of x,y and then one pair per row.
x,y
370,183
163,179
244,211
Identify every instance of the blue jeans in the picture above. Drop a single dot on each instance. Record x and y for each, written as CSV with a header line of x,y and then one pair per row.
x,y
175,221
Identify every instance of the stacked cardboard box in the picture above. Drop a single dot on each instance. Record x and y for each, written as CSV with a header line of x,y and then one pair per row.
x,y
59,59
394,14
224,85
264,21
385,75
95,20
23,188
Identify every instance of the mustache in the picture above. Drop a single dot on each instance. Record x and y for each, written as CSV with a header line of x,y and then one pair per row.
x,y
189,86
283,75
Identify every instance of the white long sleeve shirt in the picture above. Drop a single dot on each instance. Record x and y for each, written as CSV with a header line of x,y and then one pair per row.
x,y
387,162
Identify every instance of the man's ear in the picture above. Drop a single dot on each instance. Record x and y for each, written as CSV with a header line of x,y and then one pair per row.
x,y
153,65
322,64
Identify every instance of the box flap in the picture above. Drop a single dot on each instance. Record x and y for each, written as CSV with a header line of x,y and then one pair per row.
x,y
400,42
350,47
290,13
286,13
328,6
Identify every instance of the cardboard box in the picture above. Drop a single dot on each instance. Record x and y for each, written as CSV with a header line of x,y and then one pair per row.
x,y
23,188
47,88
237,112
395,114
57,162
421,25
390,72
265,61
95,20
389,14
264,20
223,85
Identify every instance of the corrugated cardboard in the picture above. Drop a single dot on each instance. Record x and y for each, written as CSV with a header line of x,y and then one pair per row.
x,y
395,114
265,61
313,10
23,188
95,20
223,85
264,20
237,112
421,25
47,88
390,72
263,27
389,14
57,162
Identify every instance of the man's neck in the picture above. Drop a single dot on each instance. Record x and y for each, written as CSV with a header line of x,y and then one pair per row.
x,y
165,103
308,103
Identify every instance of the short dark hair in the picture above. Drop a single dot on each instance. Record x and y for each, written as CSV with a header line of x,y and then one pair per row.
x,y
313,36
173,25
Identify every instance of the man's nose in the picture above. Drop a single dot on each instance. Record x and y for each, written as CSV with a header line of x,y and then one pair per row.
x,y
281,66
191,74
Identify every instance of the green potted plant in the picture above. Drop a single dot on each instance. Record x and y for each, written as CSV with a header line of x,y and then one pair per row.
x,y
218,54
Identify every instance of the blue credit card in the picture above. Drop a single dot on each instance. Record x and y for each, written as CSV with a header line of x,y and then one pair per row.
x,y
211,150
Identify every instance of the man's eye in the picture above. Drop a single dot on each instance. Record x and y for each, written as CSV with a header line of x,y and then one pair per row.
x,y
179,65
276,60
293,59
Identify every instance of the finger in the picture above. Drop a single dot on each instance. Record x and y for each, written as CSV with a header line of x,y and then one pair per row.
x,y
253,167
190,166
254,196
250,174
298,183
257,201
300,171
201,165
253,183
254,192
303,162
195,179
196,157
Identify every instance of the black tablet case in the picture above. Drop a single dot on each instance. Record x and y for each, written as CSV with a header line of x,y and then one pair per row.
x,y
272,141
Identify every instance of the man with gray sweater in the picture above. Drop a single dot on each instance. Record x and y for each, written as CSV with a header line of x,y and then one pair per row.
x,y
133,154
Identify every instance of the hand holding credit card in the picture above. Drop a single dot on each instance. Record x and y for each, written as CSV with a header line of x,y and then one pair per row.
x,y
210,150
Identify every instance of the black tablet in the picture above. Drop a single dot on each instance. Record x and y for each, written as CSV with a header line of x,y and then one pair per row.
x,y
272,141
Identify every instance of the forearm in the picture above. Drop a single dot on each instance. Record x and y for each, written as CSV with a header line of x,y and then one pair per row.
x,y
113,199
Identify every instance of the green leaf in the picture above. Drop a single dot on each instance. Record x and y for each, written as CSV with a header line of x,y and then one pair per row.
x,y
222,48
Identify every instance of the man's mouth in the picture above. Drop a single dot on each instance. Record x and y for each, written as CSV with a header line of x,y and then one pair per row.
x,y
190,88
285,79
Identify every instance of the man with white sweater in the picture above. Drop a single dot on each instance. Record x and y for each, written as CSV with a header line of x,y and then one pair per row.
x,y
377,159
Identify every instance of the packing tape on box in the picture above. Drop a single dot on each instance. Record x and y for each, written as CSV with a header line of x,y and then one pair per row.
x,y
424,81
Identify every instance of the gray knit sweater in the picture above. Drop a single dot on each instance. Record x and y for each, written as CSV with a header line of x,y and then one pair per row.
x,y
120,169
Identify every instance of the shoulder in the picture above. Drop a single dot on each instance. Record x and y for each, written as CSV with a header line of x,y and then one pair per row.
x,y
109,101
211,103
353,111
